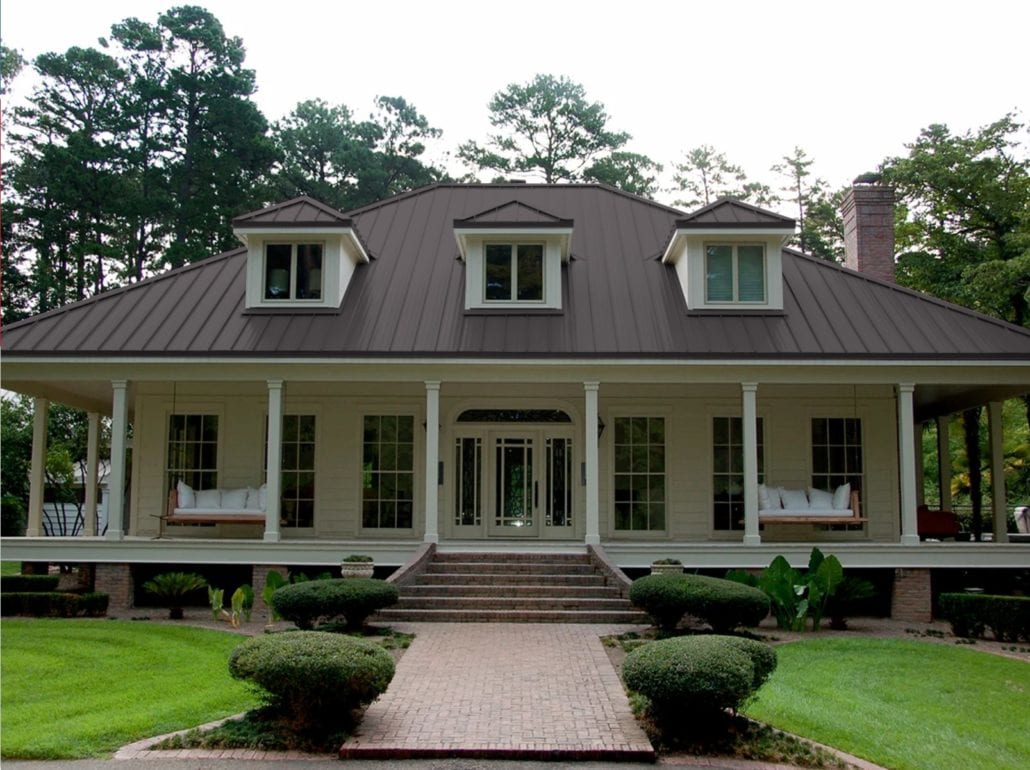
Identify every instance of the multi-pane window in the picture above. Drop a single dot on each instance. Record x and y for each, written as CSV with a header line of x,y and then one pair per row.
x,y
298,470
728,471
293,271
735,272
193,450
836,452
639,473
468,464
514,272
388,472
559,482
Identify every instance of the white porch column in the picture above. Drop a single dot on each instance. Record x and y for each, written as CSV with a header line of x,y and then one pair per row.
x,y
274,462
907,465
89,528
37,474
590,439
999,505
749,420
432,461
116,479
944,460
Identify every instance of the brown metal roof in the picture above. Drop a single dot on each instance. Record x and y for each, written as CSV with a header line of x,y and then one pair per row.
x,y
296,212
730,212
618,300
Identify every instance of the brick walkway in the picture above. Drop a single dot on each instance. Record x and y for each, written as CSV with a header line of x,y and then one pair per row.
x,y
499,690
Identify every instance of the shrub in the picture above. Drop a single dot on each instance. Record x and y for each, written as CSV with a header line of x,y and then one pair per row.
x,y
357,558
353,600
723,604
697,675
26,583
970,615
313,679
173,587
12,516
53,604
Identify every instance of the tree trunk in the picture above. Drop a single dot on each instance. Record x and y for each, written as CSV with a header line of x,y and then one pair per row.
x,y
971,431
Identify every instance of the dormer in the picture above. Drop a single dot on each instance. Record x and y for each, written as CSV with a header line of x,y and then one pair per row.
x,y
513,256
301,254
728,257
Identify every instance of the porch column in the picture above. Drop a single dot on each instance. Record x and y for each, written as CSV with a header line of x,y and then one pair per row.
x,y
590,439
37,473
116,479
432,461
274,461
749,420
917,448
999,505
907,464
89,528
944,460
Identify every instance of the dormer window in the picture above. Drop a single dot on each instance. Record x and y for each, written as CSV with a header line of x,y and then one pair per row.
x,y
514,272
734,272
293,271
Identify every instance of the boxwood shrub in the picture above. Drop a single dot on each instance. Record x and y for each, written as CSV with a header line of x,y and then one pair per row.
x,y
26,583
698,675
970,615
723,604
53,604
311,678
352,599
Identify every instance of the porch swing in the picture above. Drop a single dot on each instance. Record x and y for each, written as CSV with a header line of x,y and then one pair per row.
x,y
185,505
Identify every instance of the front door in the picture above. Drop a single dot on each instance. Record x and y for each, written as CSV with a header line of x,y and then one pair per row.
x,y
514,507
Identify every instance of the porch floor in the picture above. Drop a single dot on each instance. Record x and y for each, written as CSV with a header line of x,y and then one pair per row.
x,y
499,690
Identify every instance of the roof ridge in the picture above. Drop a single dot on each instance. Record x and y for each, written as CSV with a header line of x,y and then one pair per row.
x,y
395,198
953,306
175,271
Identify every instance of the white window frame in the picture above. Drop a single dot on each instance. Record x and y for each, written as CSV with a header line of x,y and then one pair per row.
x,y
292,295
735,273
613,472
514,267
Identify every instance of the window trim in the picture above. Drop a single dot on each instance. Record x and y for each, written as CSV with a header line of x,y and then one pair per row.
x,y
735,273
292,294
861,451
188,411
612,417
514,268
371,410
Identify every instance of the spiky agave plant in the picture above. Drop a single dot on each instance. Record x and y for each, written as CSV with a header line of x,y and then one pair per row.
x,y
172,587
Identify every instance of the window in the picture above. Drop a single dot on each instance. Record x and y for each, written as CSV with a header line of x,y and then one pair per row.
x,y
514,272
468,462
293,271
388,472
193,450
836,452
297,470
640,473
735,273
728,471
559,482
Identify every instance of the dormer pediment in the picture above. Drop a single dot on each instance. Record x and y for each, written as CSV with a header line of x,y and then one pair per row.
x,y
728,256
300,254
516,219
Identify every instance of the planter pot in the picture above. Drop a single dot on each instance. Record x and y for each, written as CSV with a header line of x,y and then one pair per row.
x,y
362,569
666,569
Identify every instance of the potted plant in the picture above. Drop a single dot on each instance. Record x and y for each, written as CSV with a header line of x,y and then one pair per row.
x,y
357,565
666,567
173,587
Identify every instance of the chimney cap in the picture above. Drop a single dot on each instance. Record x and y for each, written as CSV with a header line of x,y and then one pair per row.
x,y
869,177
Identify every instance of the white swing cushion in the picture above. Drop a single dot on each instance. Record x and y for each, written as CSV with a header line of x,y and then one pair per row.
x,y
187,498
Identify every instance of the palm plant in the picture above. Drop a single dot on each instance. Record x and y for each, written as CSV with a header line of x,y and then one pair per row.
x,y
172,587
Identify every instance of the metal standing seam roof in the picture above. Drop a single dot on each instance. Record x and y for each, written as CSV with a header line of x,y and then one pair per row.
x,y
618,299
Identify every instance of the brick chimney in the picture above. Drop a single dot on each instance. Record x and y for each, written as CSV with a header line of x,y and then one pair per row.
x,y
868,212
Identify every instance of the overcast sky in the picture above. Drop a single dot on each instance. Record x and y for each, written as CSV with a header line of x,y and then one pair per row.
x,y
850,82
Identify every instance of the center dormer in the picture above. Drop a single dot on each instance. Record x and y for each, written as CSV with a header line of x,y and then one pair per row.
x,y
301,254
513,256
728,257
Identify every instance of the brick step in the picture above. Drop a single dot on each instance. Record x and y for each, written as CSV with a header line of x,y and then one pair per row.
x,y
510,616
514,568
508,558
505,589
509,603
501,578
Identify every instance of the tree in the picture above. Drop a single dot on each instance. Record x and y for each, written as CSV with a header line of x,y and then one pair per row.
x,y
706,175
548,127
806,193
628,171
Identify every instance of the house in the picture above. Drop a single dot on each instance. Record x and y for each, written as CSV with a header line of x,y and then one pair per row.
x,y
516,368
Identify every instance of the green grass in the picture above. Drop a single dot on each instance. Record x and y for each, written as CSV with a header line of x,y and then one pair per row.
x,y
83,688
10,567
902,704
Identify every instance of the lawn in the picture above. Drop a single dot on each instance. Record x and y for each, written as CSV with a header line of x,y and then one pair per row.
x,y
903,704
83,688
10,567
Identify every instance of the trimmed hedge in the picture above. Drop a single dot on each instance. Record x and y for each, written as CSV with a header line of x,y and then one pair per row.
x,y
723,604
697,675
352,599
25,583
970,615
312,678
53,604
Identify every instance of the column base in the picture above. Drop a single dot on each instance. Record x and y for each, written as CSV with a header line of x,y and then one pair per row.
x,y
752,540
113,534
431,539
272,537
592,540
910,540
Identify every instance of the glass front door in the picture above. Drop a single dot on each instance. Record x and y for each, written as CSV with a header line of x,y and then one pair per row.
x,y
516,487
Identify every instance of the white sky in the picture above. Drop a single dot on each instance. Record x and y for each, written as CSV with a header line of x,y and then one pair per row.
x,y
850,82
